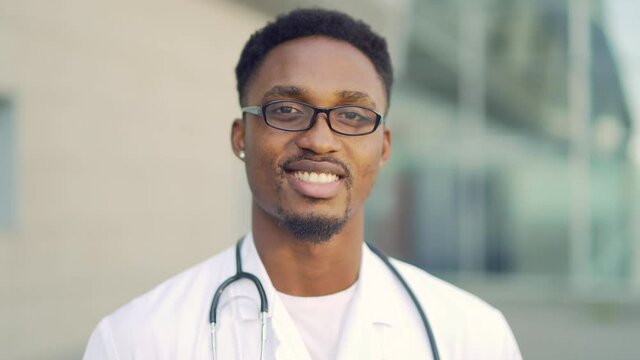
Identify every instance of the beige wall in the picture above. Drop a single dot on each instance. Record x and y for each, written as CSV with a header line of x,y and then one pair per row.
x,y
125,174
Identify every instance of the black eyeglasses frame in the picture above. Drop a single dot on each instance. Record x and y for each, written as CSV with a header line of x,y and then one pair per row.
x,y
260,110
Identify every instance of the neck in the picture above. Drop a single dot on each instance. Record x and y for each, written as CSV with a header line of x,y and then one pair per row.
x,y
301,268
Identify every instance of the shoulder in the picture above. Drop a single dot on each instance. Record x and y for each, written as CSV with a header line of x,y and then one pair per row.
x,y
186,287
463,323
160,313
427,285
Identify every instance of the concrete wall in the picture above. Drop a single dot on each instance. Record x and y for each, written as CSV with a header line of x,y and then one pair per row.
x,y
124,169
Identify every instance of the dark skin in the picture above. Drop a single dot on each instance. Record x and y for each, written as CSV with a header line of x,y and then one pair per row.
x,y
325,73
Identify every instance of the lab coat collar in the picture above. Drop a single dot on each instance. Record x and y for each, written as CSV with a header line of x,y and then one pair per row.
x,y
252,264
372,295
370,314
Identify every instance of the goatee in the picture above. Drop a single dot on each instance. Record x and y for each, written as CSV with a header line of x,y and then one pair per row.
x,y
313,229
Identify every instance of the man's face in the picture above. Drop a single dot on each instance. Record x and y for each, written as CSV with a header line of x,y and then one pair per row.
x,y
312,175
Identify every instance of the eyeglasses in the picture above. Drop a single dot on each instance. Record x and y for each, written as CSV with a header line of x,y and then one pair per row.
x,y
289,115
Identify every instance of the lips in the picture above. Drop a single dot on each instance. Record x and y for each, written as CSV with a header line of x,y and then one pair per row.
x,y
316,179
316,166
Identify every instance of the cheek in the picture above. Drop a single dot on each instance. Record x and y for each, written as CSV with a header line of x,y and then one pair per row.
x,y
367,160
264,150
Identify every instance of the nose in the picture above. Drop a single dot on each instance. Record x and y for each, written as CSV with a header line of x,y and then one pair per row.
x,y
319,139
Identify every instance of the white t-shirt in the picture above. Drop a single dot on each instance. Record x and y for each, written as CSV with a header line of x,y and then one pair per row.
x,y
320,320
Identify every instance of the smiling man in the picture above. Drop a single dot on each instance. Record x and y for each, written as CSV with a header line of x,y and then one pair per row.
x,y
314,88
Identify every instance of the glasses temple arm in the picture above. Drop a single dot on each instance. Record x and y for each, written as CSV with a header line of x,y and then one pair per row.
x,y
255,110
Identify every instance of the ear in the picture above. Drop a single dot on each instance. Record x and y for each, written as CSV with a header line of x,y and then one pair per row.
x,y
386,147
237,136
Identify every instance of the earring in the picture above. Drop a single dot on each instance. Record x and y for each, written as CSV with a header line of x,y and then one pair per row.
x,y
241,154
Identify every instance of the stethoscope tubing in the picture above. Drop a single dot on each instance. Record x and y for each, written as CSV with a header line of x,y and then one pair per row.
x,y
264,304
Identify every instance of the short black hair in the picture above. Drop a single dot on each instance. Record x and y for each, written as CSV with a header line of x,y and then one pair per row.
x,y
313,22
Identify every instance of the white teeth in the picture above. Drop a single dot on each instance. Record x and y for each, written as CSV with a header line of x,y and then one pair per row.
x,y
318,178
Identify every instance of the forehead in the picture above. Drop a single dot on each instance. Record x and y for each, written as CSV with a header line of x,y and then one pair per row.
x,y
323,68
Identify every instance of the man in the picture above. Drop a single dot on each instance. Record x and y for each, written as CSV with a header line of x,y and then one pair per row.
x,y
314,88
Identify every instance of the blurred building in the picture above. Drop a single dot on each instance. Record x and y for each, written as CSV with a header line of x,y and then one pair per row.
x,y
116,170
490,175
512,171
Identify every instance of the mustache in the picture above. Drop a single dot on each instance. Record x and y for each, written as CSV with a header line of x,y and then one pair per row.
x,y
306,156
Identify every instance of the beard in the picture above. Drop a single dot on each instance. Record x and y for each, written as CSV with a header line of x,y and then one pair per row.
x,y
315,229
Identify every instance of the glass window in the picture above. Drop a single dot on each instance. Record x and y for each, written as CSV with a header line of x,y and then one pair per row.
x,y
7,165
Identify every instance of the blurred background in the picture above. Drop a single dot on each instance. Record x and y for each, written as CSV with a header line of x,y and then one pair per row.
x,y
515,171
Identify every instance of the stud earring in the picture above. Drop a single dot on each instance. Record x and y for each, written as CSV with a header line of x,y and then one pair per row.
x,y
241,154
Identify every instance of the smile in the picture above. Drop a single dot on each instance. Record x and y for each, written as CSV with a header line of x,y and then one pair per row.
x,y
315,178
316,185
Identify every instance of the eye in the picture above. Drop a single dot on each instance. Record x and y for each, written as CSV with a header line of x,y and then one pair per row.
x,y
354,115
284,109
351,115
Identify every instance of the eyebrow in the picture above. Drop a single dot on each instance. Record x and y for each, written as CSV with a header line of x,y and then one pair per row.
x,y
290,91
279,91
355,96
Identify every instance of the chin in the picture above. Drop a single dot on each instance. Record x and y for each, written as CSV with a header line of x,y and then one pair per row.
x,y
312,227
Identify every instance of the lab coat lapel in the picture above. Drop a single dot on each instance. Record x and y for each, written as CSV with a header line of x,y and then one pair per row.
x,y
283,340
368,318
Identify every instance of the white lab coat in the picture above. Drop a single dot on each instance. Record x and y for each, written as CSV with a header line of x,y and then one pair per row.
x,y
172,320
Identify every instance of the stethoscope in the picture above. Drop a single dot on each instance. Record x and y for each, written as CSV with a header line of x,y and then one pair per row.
x,y
264,305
